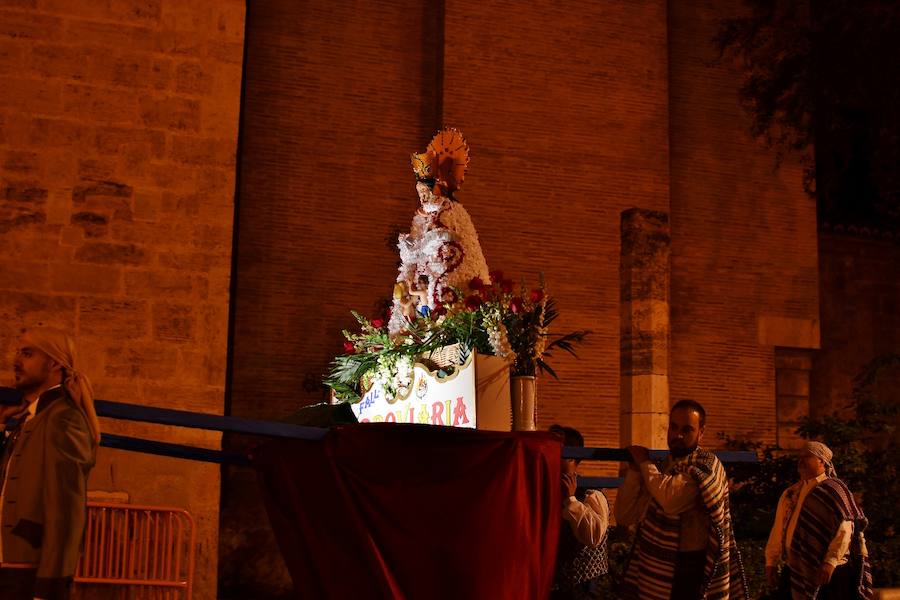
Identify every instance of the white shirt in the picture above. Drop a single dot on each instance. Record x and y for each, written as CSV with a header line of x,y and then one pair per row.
x,y
839,547
676,494
589,519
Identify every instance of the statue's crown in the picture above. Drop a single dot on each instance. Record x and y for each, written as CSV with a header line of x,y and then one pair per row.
x,y
445,160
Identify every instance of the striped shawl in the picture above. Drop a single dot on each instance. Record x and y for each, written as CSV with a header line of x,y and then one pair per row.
x,y
650,572
822,512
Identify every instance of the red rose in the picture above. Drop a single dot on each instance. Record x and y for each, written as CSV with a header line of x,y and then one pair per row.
x,y
516,305
496,277
537,295
438,310
349,348
506,286
473,301
377,323
476,283
448,296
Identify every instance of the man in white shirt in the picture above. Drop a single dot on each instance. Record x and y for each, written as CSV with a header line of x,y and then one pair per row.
x,y
684,548
581,555
818,508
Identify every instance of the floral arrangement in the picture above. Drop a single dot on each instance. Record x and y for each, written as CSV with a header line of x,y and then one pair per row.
x,y
494,317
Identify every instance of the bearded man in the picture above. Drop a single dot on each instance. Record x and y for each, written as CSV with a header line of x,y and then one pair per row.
x,y
684,548
819,531
44,468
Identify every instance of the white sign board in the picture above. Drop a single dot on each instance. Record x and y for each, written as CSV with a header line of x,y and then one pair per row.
x,y
431,400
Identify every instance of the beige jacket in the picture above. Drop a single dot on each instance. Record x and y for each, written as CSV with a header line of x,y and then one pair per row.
x,y
44,503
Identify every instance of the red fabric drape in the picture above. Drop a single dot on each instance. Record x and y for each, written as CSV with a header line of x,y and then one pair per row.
x,y
413,511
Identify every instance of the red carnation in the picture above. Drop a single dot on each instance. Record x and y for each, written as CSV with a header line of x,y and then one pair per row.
x,y
473,301
448,296
476,283
377,323
516,305
537,295
349,347
438,310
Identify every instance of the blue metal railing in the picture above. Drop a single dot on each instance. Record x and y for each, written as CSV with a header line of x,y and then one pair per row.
x,y
194,420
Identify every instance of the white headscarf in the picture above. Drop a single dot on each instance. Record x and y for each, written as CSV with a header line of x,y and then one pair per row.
x,y
57,344
820,450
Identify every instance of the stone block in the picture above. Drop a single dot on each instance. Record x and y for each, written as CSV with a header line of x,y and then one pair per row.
x,y
788,438
173,322
193,79
101,105
97,169
194,261
26,309
24,192
29,26
118,140
30,96
788,332
792,408
203,150
22,275
644,429
18,218
85,279
112,254
117,319
644,393
146,206
790,382
164,284
172,112
71,236
55,133
141,361
94,225
22,163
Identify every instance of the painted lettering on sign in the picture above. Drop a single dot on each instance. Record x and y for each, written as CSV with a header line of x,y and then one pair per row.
x,y
448,401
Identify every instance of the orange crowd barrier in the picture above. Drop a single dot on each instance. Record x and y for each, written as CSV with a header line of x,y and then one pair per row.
x,y
136,553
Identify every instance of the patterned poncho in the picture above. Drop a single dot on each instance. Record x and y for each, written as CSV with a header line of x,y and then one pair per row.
x,y
650,572
822,512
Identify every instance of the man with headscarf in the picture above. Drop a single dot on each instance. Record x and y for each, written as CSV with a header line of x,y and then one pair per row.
x,y
819,531
684,548
44,468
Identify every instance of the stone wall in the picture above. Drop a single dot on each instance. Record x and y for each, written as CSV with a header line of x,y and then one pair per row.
x,y
118,131
860,317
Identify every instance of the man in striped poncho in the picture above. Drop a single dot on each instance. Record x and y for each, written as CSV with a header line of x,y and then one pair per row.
x,y
684,547
819,531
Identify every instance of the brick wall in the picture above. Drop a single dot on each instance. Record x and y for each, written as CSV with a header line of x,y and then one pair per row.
x,y
860,292
566,112
744,266
118,127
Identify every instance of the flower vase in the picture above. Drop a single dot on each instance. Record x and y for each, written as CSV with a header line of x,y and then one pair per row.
x,y
522,391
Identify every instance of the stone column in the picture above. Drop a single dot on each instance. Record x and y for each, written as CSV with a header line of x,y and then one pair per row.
x,y
644,328
792,368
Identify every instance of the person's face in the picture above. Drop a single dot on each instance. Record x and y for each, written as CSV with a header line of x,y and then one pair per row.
x,y
684,431
32,368
809,465
569,466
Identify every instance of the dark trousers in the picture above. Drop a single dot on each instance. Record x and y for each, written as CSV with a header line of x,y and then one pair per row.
x,y
689,568
842,585
17,584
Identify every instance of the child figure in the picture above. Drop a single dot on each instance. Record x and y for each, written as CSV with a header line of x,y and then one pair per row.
x,y
581,558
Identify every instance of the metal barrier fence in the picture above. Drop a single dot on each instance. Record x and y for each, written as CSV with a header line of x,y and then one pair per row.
x,y
137,552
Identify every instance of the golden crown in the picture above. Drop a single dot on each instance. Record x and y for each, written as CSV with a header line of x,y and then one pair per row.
x,y
445,160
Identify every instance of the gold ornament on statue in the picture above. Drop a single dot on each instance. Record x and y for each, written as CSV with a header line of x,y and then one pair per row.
x,y
445,161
